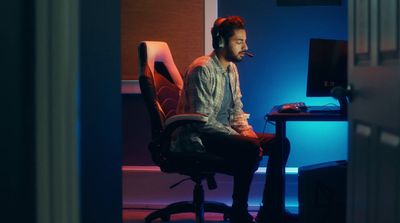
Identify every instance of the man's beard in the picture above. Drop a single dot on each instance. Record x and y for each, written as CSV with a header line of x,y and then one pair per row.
x,y
230,56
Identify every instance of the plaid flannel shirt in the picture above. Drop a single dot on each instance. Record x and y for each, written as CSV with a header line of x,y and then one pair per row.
x,y
203,93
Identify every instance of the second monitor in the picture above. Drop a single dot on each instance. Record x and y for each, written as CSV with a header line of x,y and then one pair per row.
x,y
327,66
327,70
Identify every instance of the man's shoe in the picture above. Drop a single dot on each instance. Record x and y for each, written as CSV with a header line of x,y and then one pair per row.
x,y
289,217
241,218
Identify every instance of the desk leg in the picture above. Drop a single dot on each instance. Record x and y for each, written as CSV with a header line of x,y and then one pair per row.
x,y
281,135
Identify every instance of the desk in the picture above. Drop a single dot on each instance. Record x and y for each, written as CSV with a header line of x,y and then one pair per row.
x,y
280,120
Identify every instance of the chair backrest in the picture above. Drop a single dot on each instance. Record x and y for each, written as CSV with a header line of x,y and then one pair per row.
x,y
161,85
160,82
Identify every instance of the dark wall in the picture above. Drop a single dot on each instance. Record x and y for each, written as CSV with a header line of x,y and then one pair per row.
x,y
100,111
136,131
279,37
17,143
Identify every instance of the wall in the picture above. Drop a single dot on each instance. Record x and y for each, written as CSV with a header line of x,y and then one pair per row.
x,y
179,23
136,131
278,36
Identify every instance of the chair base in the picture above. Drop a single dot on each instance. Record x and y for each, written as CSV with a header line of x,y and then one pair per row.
x,y
188,206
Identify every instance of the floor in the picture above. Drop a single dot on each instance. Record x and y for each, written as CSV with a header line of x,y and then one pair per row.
x,y
146,190
137,216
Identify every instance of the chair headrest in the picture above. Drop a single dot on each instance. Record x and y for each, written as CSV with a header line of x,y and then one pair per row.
x,y
157,51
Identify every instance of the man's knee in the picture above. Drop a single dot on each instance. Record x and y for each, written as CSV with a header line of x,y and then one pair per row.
x,y
276,148
252,152
256,150
248,158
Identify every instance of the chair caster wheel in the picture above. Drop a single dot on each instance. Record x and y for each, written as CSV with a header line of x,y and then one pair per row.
x,y
226,217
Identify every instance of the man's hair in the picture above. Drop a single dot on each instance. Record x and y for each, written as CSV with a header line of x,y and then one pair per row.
x,y
224,28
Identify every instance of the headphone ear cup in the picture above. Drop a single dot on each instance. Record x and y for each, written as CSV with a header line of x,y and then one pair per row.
x,y
221,42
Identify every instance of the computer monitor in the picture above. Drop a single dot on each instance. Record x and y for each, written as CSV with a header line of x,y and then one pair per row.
x,y
327,66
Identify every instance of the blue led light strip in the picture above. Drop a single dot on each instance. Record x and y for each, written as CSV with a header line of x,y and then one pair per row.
x,y
288,170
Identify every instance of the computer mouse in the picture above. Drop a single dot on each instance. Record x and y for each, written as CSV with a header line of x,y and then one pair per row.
x,y
289,109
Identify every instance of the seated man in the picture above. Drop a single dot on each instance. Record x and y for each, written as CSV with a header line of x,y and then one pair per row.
x,y
211,87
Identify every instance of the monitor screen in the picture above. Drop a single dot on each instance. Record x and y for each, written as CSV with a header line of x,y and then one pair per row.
x,y
327,66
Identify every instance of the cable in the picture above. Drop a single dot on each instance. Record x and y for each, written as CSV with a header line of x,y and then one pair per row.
x,y
179,182
266,122
265,125
331,104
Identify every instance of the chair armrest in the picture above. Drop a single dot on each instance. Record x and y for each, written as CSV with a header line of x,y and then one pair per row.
x,y
176,121
186,118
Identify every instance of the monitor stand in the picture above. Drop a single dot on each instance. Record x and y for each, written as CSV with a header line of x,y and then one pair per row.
x,y
343,104
341,95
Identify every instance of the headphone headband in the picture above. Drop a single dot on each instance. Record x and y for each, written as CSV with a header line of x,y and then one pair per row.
x,y
217,24
218,40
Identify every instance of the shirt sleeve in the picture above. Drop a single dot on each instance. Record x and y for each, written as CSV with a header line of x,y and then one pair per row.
x,y
238,119
199,84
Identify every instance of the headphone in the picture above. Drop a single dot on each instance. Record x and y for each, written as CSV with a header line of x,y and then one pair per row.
x,y
219,41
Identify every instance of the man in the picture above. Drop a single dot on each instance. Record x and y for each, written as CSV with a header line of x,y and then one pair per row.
x,y
211,87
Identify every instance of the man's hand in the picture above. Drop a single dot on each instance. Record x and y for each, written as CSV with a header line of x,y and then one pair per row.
x,y
249,133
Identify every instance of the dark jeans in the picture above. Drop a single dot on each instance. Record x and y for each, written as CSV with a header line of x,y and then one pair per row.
x,y
274,178
243,154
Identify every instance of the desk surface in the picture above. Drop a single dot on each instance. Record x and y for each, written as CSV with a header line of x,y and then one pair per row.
x,y
274,115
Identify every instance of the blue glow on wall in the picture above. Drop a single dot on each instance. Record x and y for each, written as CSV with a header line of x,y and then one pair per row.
x,y
279,36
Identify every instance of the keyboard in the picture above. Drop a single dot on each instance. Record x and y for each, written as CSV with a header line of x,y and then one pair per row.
x,y
325,109
294,107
